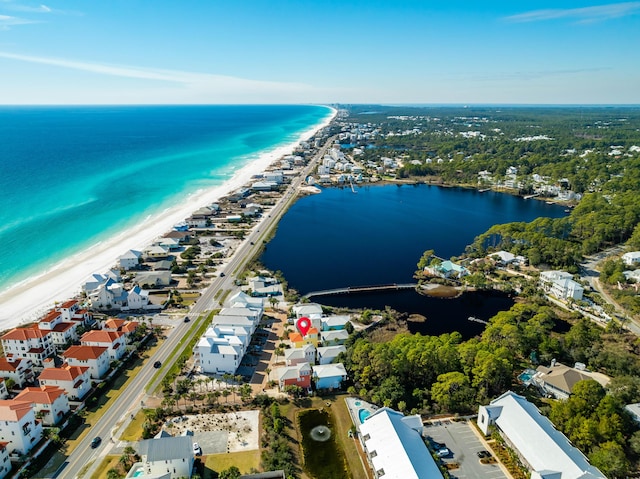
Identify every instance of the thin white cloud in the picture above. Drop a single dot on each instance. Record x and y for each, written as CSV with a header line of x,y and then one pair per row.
x,y
191,80
582,15
7,21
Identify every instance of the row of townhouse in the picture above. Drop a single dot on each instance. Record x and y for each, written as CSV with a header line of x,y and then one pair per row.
x,y
42,340
223,345
56,330
23,417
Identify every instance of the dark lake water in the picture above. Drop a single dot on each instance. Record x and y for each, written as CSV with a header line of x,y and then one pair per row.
x,y
338,239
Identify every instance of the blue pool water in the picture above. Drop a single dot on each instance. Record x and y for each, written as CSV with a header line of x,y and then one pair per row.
x,y
357,403
526,376
138,473
363,414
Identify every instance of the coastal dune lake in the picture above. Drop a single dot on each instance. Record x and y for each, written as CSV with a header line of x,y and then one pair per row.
x,y
376,236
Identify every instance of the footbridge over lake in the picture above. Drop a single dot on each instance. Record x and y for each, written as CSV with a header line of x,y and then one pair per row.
x,y
362,289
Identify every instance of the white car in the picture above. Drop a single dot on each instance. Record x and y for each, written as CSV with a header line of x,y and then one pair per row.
x,y
196,449
444,452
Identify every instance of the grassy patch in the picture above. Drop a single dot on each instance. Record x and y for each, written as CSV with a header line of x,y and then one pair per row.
x,y
109,462
133,432
188,299
245,461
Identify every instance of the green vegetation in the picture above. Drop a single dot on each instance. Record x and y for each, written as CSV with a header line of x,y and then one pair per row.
x,y
276,452
322,459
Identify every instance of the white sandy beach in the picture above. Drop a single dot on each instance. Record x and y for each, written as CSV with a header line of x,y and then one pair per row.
x,y
27,301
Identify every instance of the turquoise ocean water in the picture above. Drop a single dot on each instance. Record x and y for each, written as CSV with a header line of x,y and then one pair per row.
x,y
73,176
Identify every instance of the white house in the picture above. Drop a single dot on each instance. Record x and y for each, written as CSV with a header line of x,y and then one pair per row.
x,y
61,332
28,343
394,446
96,358
631,258
327,354
137,298
114,341
75,380
220,349
561,285
5,463
98,279
334,338
50,403
541,447
19,428
243,300
129,260
304,354
170,457
72,312
110,294
309,310
20,370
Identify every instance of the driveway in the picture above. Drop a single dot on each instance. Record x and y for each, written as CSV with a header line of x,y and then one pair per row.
x,y
464,444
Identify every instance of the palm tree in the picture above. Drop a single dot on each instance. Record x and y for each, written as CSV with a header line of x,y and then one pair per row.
x,y
225,393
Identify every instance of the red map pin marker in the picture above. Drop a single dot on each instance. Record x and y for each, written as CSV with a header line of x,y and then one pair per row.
x,y
303,325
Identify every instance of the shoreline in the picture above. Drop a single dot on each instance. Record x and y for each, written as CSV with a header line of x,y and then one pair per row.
x,y
29,299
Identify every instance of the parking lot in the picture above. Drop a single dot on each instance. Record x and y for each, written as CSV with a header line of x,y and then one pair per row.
x,y
464,445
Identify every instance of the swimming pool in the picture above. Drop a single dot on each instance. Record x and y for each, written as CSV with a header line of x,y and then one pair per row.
x,y
526,376
138,473
363,414
358,403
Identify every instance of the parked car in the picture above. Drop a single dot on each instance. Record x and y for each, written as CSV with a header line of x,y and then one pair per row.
x,y
444,452
95,442
482,454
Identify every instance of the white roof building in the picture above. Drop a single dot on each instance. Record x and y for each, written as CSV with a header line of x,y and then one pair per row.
x,y
395,448
220,349
327,354
561,285
309,310
544,450
631,258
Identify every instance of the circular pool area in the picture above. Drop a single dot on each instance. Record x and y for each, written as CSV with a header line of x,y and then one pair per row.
x,y
358,403
363,414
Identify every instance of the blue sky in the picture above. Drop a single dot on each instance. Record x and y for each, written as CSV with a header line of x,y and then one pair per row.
x,y
329,51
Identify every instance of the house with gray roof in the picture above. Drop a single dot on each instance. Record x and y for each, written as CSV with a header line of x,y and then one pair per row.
x,y
165,457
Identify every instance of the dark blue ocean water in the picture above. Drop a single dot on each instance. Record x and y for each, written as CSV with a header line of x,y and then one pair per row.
x,y
72,176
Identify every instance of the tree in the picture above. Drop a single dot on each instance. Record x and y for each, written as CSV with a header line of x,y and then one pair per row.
x,y
231,473
273,301
610,458
425,259
453,392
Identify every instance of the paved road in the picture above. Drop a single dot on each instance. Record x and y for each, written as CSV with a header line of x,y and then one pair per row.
x,y
118,415
590,274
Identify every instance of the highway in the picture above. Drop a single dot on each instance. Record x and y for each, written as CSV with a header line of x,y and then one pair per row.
x,y
84,460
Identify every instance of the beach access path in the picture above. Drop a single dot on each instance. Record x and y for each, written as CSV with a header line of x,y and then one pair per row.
x,y
84,460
